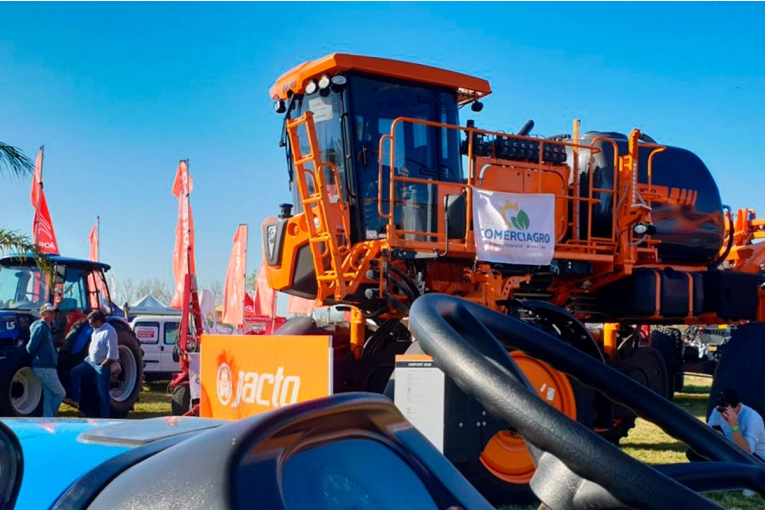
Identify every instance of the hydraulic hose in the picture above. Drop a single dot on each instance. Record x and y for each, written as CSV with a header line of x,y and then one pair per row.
x,y
725,254
408,281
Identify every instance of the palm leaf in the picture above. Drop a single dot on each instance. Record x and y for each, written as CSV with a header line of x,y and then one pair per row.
x,y
14,161
11,242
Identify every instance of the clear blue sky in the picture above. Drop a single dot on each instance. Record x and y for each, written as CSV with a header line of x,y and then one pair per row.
x,y
119,92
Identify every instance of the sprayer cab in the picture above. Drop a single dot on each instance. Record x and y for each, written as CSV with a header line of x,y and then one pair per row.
x,y
355,101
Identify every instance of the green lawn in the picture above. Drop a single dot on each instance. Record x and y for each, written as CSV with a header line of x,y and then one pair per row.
x,y
650,444
153,401
645,442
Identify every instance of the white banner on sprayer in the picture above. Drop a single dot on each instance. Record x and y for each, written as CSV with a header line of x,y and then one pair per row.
x,y
514,228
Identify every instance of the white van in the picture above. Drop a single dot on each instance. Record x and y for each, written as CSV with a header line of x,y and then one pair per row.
x,y
157,334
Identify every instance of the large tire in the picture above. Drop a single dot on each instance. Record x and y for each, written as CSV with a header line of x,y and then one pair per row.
x,y
620,430
669,343
124,393
21,393
180,402
740,368
130,380
647,366
496,490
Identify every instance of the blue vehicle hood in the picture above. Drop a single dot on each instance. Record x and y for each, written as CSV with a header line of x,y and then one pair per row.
x,y
53,456
58,451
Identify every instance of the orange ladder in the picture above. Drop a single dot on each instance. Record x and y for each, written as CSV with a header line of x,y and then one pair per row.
x,y
327,219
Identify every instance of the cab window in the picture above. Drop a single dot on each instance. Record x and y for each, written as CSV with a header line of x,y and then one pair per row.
x,y
75,290
171,329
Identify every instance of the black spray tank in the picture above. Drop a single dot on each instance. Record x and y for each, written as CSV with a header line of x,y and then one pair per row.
x,y
691,231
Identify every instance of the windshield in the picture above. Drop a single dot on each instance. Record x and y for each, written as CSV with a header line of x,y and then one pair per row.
x,y
22,287
421,152
327,109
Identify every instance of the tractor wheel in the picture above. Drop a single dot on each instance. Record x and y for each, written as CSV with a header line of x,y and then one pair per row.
x,y
21,393
124,392
740,368
646,366
669,342
504,468
129,381
180,402
620,430
502,471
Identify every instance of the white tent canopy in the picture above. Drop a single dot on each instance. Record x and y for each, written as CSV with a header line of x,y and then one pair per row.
x,y
149,305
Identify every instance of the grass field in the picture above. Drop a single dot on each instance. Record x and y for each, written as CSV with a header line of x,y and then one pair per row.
x,y
645,442
154,401
651,445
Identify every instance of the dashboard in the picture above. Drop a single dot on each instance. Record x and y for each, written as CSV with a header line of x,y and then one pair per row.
x,y
359,474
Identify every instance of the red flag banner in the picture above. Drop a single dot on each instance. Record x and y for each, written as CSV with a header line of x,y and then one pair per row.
x,y
249,309
264,300
236,276
300,306
43,234
183,254
93,238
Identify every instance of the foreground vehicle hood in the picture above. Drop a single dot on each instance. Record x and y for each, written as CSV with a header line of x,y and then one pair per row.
x,y
54,457
59,451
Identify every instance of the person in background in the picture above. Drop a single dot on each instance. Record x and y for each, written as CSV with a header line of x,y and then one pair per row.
x,y
103,351
58,326
45,360
739,423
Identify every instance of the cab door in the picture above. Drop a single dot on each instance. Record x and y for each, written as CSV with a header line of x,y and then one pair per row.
x,y
148,333
169,334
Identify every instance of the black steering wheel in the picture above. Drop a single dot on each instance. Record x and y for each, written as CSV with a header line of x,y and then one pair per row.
x,y
575,468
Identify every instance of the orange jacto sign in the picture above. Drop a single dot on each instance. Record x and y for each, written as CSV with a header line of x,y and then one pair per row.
x,y
244,375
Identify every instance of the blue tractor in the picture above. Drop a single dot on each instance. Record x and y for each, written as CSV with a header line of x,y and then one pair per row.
x,y
77,287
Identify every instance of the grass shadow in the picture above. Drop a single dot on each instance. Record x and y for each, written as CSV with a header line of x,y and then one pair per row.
x,y
153,402
696,389
677,446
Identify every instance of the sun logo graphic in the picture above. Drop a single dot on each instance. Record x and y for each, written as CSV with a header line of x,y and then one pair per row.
x,y
210,321
520,220
225,384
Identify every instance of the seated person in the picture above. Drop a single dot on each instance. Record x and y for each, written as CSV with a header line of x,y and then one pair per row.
x,y
737,422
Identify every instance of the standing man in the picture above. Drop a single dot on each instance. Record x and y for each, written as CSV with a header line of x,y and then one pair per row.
x,y
58,326
103,351
45,360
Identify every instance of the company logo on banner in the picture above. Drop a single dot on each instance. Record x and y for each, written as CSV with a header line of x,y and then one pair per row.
x,y
241,377
275,390
514,228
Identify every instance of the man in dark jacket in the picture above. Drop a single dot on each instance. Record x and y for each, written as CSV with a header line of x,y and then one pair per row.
x,y
45,359
58,326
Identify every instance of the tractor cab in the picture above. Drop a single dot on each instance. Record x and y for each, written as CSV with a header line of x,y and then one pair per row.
x,y
76,288
355,102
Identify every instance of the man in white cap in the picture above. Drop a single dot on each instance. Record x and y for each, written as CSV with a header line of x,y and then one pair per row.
x,y
45,360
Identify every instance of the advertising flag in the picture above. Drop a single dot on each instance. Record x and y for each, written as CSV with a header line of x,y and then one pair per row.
x,y
264,300
183,254
43,234
300,306
93,238
236,276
